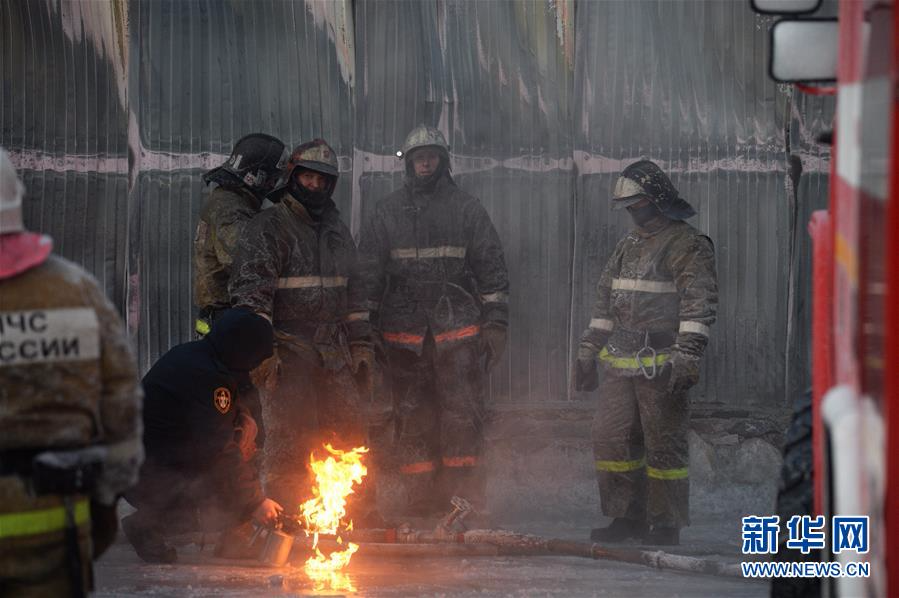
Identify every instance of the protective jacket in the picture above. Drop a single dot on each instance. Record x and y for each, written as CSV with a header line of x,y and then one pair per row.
x,y
192,423
63,343
222,220
300,273
433,261
658,291
68,380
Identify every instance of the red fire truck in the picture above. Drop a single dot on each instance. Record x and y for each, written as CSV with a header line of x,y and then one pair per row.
x,y
842,453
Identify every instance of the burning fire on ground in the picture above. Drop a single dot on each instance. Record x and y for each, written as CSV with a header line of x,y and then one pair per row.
x,y
324,513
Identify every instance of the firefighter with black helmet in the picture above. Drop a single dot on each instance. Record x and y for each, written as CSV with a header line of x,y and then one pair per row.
x,y
295,266
437,289
70,408
242,183
656,301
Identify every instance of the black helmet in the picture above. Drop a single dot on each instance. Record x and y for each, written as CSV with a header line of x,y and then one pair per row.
x,y
644,179
255,161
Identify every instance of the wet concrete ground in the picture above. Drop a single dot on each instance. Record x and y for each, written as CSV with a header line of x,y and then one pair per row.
x,y
122,573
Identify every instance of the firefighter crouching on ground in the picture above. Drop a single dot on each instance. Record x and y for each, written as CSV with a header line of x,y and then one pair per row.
x,y
200,473
295,266
437,289
657,298
70,409
241,186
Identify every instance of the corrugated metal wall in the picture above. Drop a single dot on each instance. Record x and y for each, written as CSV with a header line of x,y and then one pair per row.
x,y
113,110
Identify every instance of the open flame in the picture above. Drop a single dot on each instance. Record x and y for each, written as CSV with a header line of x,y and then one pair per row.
x,y
324,513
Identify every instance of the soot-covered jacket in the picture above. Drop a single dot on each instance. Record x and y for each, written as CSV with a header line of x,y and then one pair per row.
x,y
661,282
301,274
433,261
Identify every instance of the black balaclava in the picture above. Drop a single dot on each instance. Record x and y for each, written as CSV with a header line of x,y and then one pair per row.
x,y
315,202
241,339
644,214
428,183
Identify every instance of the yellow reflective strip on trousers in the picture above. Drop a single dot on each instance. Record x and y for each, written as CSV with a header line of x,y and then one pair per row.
x,y
202,327
631,363
620,466
667,474
32,523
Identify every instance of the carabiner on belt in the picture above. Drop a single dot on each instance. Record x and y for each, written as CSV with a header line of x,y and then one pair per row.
x,y
647,351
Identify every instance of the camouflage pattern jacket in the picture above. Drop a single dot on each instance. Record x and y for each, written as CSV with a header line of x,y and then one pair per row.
x,y
433,261
300,274
68,377
222,220
658,289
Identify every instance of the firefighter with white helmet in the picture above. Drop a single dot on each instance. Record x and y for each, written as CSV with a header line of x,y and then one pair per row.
x,y
70,409
437,289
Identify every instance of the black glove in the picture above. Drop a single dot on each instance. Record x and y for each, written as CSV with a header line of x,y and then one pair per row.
x,y
493,343
586,376
684,372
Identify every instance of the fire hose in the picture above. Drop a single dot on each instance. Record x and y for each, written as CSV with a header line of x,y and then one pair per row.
x,y
450,538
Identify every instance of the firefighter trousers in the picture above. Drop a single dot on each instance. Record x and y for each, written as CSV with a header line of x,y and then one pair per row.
x,y
640,448
440,409
304,408
34,556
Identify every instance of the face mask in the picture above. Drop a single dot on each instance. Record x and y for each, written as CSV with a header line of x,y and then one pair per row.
x,y
644,214
315,202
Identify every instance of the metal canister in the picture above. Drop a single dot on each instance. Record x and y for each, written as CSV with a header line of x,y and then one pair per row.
x,y
277,548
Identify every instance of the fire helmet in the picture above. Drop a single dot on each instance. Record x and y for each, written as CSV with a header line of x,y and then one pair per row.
x,y
645,180
424,136
317,156
255,161
314,155
11,192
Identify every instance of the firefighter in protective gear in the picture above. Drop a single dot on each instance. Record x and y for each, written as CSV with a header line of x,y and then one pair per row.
x,y
70,418
242,183
295,266
200,441
437,289
656,301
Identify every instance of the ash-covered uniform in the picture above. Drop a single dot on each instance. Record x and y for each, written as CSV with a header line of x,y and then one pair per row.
x,y
297,272
68,379
435,274
222,220
657,295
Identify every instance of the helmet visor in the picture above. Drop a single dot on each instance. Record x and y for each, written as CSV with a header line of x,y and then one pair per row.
x,y
627,192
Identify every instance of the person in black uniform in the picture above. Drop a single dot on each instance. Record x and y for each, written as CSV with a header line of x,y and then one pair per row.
x,y
199,471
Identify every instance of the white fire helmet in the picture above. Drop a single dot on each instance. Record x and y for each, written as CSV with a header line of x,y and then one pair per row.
x,y
11,192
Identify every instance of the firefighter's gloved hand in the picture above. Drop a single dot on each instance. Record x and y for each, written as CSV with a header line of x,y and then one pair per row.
x,y
268,512
493,343
586,376
684,372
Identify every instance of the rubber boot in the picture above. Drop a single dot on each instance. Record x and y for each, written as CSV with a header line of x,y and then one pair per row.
x,y
619,530
662,536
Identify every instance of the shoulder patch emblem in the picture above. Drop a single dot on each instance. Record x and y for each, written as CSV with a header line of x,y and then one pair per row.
x,y
221,398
